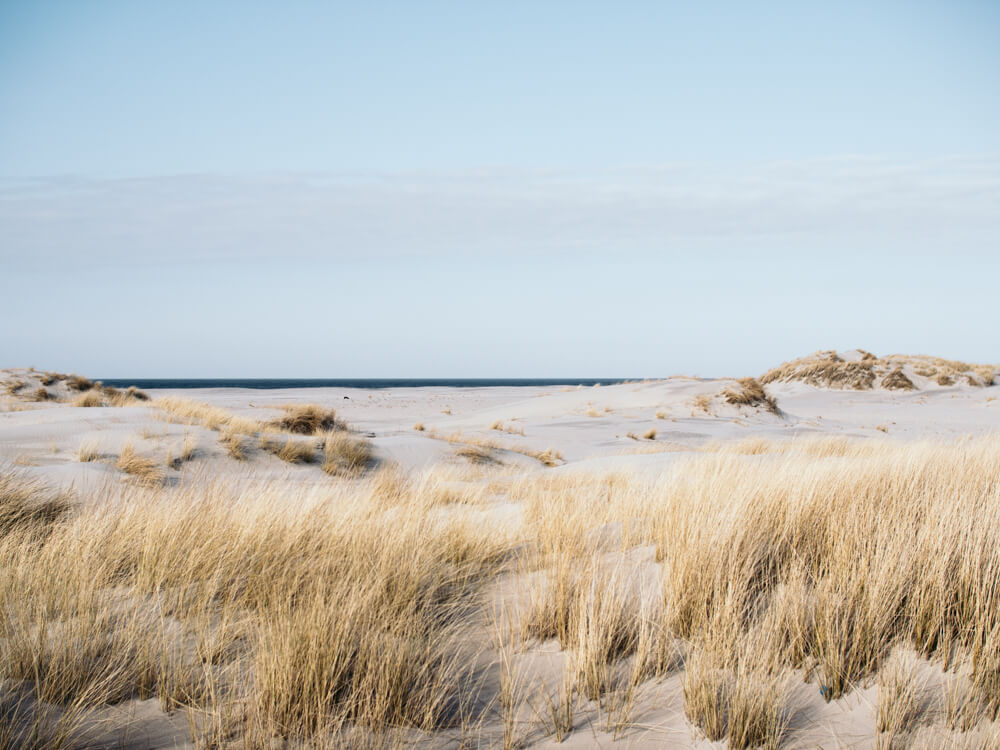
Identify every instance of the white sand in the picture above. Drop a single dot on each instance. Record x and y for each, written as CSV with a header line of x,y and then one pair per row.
x,y
588,426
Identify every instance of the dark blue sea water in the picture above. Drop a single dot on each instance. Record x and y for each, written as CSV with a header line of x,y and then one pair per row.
x,y
369,383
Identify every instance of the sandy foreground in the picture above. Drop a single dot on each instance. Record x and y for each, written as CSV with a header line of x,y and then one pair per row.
x,y
517,435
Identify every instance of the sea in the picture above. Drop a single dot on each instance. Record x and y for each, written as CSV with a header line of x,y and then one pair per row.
x,y
363,383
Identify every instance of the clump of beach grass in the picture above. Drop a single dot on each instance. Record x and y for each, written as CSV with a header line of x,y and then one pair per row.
x,y
308,419
15,386
751,393
28,506
321,619
79,383
289,450
89,399
346,455
897,381
826,369
89,450
142,468
477,454
235,445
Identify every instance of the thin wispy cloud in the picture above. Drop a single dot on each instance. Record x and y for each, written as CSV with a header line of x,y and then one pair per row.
x,y
902,205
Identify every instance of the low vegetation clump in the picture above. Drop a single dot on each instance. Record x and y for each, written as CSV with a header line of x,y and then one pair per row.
x,y
27,506
129,397
211,417
289,449
897,381
762,577
235,445
702,402
79,383
826,370
308,419
41,394
346,455
142,468
499,426
90,399
88,451
477,454
751,393
15,386
320,619
548,457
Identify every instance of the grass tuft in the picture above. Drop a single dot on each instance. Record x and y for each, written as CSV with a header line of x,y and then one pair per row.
x,y
346,455
142,468
89,399
751,393
308,419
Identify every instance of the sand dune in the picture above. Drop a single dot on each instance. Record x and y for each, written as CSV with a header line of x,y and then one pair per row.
x,y
805,558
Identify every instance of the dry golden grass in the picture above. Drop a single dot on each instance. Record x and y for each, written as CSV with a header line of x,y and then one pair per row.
x,y
27,506
758,561
419,427
510,429
289,450
896,380
300,615
211,417
346,455
15,386
751,393
79,383
315,619
235,444
89,450
548,457
142,468
41,394
89,399
308,419
477,454
898,701
828,369
825,369
702,403
131,396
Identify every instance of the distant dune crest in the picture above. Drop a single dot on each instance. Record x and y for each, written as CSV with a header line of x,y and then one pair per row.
x,y
860,370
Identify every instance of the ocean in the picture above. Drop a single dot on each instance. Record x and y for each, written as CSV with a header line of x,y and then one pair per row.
x,y
363,383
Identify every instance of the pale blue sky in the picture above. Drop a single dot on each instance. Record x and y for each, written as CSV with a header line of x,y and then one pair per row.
x,y
495,189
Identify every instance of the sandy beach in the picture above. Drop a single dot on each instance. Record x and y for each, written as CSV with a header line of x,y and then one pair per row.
x,y
534,479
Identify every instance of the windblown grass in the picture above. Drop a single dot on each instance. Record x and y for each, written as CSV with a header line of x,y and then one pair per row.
x,y
346,455
89,399
897,381
757,559
290,450
142,468
751,393
269,618
304,615
308,419
547,457
211,417
79,383
828,369
88,451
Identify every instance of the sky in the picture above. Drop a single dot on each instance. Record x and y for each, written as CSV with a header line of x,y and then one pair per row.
x,y
509,189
